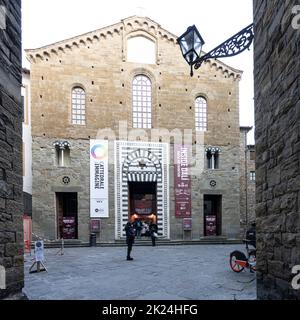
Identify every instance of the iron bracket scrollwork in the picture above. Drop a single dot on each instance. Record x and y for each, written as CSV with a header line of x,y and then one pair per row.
x,y
231,47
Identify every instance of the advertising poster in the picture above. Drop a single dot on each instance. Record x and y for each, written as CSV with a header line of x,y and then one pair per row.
x,y
99,179
27,227
187,224
39,251
182,180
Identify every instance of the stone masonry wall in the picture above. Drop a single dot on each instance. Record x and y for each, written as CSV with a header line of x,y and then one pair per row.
x,y
49,180
251,185
277,108
11,208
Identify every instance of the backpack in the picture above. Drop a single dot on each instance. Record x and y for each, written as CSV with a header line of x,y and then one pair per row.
x,y
139,224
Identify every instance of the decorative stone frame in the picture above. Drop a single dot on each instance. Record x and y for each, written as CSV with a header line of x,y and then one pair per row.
x,y
157,155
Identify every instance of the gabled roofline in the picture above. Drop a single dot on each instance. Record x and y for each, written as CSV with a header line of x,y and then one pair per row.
x,y
62,45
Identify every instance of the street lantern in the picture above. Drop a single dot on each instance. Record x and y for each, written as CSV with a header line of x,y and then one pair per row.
x,y
191,44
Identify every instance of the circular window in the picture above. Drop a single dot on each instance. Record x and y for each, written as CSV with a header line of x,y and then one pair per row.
x,y
213,183
66,180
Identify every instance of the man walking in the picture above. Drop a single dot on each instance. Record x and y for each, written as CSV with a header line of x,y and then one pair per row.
x,y
130,235
153,232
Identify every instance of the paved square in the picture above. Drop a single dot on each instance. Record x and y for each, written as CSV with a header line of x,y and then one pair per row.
x,y
191,272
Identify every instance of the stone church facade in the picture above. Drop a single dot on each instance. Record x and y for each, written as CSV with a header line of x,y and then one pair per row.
x,y
99,86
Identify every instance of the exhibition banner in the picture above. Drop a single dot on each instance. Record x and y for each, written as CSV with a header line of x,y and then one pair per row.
x,y
99,179
182,180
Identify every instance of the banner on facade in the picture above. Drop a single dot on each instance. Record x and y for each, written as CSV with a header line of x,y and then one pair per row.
x,y
99,179
27,227
143,206
182,181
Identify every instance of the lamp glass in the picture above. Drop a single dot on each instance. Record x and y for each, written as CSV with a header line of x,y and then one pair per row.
x,y
191,44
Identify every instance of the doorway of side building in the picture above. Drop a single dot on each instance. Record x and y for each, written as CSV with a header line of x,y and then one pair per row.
x,y
142,202
212,215
67,215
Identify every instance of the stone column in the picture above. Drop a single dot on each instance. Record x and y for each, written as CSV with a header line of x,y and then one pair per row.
x,y
11,204
277,120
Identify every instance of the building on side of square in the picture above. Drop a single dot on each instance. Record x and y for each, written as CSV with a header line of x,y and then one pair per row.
x,y
129,84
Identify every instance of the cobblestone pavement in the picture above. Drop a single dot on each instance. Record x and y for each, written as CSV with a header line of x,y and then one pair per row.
x,y
195,272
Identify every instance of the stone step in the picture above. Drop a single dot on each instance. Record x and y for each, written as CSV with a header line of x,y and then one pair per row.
x,y
144,242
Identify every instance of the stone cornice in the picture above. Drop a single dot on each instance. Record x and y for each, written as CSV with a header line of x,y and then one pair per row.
x,y
129,25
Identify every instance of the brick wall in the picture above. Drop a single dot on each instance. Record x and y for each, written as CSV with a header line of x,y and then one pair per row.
x,y
277,107
11,231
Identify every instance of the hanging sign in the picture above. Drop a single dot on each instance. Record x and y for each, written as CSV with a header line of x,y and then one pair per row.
x,y
99,179
183,202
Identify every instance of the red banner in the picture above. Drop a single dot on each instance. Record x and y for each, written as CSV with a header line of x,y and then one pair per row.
x,y
27,223
95,225
69,225
182,181
143,206
211,225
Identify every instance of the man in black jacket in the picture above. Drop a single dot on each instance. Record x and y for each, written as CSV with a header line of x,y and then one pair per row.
x,y
130,235
153,233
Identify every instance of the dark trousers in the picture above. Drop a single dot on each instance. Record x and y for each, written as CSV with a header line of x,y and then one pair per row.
x,y
129,248
153,240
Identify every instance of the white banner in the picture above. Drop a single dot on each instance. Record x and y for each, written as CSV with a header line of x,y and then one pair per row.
x,y
99,179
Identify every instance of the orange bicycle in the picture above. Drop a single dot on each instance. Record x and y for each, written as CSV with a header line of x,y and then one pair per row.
x,y
239,261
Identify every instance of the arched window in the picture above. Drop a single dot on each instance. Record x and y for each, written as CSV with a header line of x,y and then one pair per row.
x,y
78,106
142,102
201,114
213,158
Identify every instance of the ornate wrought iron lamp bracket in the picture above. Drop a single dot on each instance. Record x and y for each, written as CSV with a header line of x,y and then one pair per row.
x,y
231,47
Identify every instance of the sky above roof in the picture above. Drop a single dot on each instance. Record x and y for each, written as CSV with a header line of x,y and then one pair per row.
x,y
46,22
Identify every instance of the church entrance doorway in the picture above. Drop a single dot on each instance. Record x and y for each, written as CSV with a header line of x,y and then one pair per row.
x,y
212,215
67,215
142,202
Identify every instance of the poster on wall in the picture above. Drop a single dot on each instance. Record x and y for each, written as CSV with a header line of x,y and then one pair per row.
x,y
187,224
99,179
182,181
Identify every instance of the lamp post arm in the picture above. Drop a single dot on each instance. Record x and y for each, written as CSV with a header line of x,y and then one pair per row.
x,y
231,47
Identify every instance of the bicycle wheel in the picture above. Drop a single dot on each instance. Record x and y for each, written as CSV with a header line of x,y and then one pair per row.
x,y
238,261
